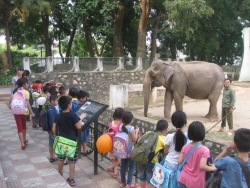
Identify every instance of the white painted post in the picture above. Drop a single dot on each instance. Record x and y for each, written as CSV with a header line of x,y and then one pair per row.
x,y
125,94
116,96
245,68
153,97
26,63
121,63
139,64
100,63
49,64
76,64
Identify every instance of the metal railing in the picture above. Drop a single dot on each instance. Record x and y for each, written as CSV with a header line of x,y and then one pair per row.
x,y
78,64
91,144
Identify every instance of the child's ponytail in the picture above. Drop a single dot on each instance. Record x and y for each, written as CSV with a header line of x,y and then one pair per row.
x,y
179,119
126,120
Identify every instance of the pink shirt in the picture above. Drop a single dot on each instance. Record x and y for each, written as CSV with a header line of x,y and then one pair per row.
x,y
114,127
191,175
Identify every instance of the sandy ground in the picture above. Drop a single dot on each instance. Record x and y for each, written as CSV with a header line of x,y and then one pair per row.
x,y
197,109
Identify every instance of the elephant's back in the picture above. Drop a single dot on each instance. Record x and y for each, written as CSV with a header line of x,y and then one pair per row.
x,y
202,78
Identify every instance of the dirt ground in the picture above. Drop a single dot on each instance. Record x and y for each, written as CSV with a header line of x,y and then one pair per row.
x,y
197,109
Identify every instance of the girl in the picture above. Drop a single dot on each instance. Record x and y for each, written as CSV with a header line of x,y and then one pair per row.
x,y
22,84
175,141
126,127
114,126
194,171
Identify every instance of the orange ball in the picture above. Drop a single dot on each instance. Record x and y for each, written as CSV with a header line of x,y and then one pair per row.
x,y
104,143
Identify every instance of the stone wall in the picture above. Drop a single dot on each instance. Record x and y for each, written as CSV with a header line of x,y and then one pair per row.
x,y
146,124
96,83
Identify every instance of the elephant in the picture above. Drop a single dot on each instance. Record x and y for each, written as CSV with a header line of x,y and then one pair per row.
x,y
195,79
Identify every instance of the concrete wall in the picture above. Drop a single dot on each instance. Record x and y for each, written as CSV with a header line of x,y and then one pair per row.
x,y
96,83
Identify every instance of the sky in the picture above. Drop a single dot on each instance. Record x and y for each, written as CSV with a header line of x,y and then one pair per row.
x,y
2,39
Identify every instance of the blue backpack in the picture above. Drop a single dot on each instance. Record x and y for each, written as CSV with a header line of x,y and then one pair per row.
x,y
45,118
164,177
75,105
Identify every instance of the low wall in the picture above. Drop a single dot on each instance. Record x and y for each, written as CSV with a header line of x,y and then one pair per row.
x,y
146,124
96,83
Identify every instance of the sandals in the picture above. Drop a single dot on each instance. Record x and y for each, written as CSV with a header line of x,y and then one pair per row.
x,y
115,175
132,185
26,142
122,184
87,153
71,182
53,159
110,170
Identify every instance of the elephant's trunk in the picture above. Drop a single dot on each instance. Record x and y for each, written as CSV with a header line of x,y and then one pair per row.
x,y
146,92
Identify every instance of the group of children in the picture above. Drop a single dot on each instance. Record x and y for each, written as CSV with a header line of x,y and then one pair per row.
x,y
64,122
176,147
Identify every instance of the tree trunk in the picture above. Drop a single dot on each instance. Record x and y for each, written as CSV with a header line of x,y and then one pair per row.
x,y
142,29
5,64
191,54
71,40
153,38
173,50
7,32
88,38
118,48
46,37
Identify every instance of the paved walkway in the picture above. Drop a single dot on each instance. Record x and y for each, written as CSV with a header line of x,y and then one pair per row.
x,y
31,167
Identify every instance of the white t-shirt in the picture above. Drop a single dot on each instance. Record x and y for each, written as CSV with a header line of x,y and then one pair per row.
x,y
172,155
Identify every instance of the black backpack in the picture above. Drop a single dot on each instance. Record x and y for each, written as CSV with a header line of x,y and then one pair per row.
x,y
215,180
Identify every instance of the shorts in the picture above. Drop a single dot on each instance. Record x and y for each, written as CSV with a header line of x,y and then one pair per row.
x,y
145,171
36,112
85,135
70,160
51,138
113,157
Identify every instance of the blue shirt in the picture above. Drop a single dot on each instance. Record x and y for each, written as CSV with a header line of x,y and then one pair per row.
x,y
232,172
51,115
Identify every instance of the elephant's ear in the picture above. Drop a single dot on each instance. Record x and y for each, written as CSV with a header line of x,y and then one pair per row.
x,y
168,71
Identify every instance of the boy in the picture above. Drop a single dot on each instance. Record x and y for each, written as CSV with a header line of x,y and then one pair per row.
x,y
19,72
233,175
35,107
81,97
51,119
68,123
146,170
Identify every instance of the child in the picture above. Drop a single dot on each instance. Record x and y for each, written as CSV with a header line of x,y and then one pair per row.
x,y
19,72
81,97
175,141
232,171
21,119
194,170
73,93
68,123
126,127
51,119
114,126
35,107
146,170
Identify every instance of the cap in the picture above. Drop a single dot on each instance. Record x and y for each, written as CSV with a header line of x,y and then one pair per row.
x,y
36,86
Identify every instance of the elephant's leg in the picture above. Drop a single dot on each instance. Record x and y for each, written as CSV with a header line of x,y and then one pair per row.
x,y
178,100
167,104
213,98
